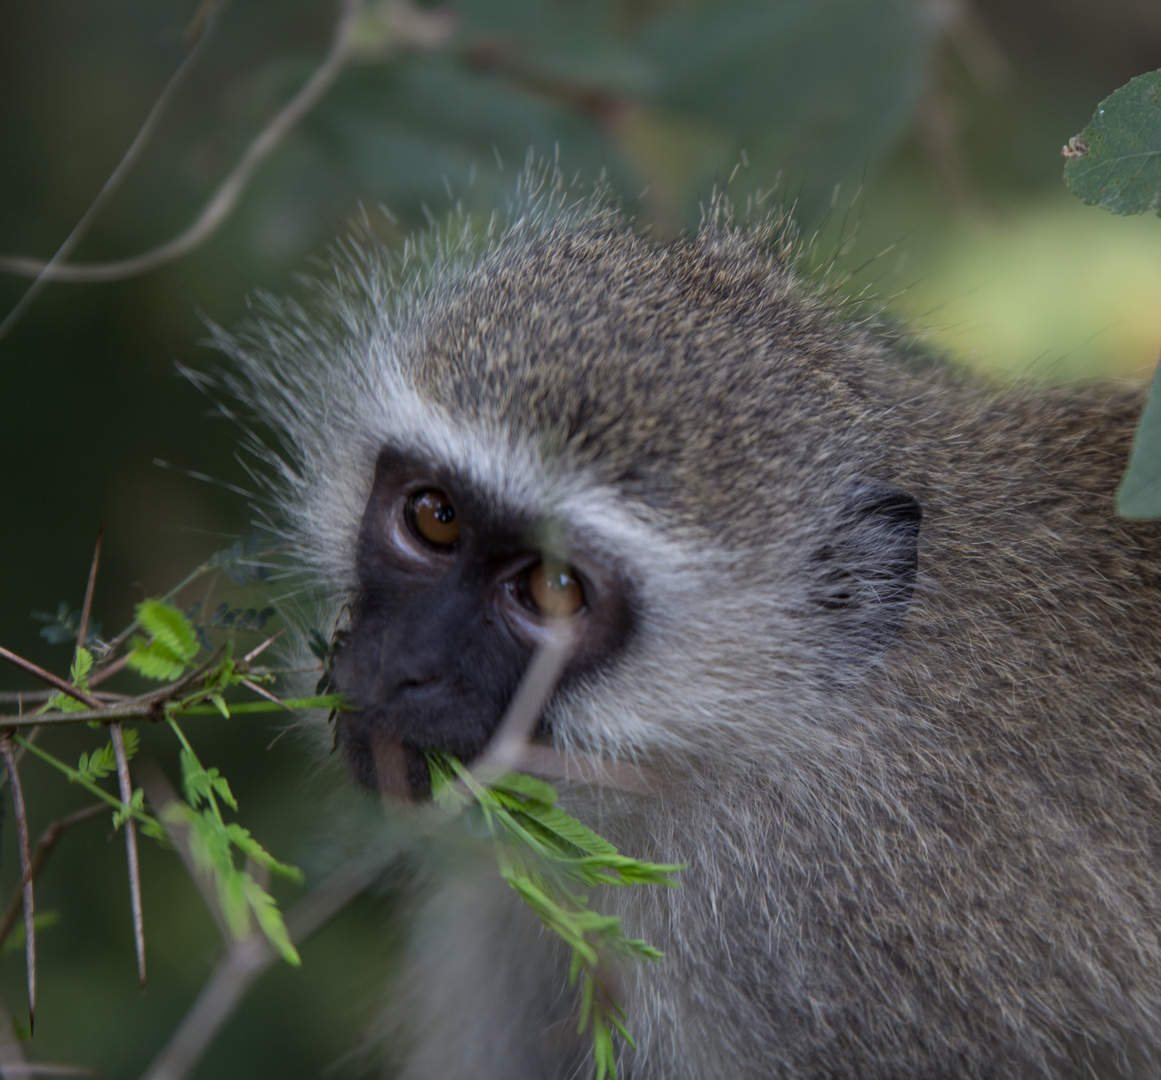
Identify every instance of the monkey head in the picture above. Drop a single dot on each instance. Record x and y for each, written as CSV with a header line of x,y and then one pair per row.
x,y
575,422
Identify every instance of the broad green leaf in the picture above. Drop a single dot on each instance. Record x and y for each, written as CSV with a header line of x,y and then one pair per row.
x,y
832,80
1115,162
1139,496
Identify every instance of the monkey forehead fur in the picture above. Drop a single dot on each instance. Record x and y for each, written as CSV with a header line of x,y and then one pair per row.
x,y
940,856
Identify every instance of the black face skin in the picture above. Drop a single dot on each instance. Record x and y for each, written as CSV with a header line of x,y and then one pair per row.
x,y
442,632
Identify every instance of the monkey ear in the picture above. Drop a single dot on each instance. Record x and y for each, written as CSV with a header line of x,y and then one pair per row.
x,y
863,576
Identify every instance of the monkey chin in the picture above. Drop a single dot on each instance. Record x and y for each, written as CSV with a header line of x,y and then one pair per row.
x,y
380,760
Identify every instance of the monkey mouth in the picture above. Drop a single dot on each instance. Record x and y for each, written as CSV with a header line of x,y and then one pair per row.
x,y
401,771
383,760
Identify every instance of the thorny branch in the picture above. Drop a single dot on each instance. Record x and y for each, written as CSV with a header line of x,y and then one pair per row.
x,y
48,840
223,200
117,737
244,961
25,873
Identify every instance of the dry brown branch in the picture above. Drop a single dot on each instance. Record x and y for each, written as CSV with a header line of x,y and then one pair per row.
x,y
143,707
42,273
248,959
44,846
87,603
224,199
262,692
39,697
117,737
44,676
509,743
261,647
25,874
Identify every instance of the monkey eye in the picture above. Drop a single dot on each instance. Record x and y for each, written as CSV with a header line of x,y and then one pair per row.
x,y
553,590
433,519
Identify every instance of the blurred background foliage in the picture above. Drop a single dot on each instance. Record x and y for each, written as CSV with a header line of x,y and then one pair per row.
x,y
920,139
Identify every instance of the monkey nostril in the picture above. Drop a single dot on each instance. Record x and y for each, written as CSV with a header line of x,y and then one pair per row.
x,y
416,682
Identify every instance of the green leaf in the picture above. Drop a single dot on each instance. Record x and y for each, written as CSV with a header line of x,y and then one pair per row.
x,y
219,703
79,677
154,660
567,828
270,920
222,787
250,847
528,786
604,1056
136,802
1115,162
815,86
81,666
99,764
169,628
1139,496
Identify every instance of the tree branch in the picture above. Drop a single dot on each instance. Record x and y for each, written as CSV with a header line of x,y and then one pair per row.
x,y
223,200
44,846
248,959
45,272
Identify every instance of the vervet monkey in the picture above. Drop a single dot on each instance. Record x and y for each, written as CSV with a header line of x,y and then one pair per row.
x,y
874,625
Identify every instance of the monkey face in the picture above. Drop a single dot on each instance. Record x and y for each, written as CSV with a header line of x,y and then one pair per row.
x,y
454,597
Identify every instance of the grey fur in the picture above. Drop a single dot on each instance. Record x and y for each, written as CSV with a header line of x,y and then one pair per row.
x,y
937,859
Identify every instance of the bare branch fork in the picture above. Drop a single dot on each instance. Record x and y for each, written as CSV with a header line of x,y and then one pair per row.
x,y
221,202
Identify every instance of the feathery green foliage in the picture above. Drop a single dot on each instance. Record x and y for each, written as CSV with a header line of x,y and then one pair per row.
x,y
550,859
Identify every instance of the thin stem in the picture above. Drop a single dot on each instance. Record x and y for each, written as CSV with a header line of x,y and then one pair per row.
x,y
87,604
84,781
46,272
117,737
148,708
244,961
26,896
508,744
160,793
224,199
34,697
48,677
44,846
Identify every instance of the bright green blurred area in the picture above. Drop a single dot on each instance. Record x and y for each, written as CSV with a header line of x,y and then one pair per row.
x,y
939,121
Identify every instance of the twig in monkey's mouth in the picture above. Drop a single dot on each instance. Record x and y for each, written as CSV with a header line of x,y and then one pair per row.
x,y
394,766
399,767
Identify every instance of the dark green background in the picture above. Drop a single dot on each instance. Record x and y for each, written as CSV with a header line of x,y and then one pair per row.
x,y
947,128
